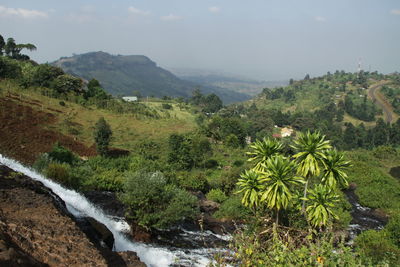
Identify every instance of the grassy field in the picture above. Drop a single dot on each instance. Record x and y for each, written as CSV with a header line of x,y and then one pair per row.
x,y
78,121
376,188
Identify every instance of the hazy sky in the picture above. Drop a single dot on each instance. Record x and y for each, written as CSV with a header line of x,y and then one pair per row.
x,y
262,39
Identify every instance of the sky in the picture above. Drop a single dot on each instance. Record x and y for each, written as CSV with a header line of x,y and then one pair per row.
x,y
259,39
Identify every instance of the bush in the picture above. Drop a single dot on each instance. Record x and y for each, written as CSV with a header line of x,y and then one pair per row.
x,y
42,162
195,182
166,106
393,228
119,164
9,68
384,152
216,195
155,204
60,173
149,150
105,180
66,83
232,209
232,141
211,163
238,163
377,246
62,155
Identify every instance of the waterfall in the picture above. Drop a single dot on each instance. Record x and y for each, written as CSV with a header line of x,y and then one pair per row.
x,y
79,206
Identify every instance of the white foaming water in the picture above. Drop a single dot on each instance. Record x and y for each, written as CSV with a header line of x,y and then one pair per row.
x,y
79,206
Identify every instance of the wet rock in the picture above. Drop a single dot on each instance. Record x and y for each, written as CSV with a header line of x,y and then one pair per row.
x,y
395,172
97,232
208,206
107,201
131,259
139,233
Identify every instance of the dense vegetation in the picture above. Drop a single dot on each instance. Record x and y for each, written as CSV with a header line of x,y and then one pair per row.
x,y
287,191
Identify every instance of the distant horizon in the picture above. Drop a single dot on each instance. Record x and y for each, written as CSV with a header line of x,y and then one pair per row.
x,y
260,39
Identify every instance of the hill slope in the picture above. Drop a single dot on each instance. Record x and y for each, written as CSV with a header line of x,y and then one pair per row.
x,y
126,74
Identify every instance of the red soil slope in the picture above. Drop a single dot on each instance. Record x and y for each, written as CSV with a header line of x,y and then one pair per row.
x,y
23,135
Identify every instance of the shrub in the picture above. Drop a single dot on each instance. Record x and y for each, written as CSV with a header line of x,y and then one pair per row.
x,y
393,228
62,154
66,83
155,204
216,195
60,172
377,246
195,182
384,152
62,103
232,141
149,150
105,180
238,163
232,209
119,164
42,162
211,163
9,68
166,106
102,136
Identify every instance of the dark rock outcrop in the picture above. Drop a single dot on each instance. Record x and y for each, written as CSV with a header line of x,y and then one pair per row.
x,y
37,230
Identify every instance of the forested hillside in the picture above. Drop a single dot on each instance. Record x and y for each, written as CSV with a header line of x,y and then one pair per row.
x,y
137,75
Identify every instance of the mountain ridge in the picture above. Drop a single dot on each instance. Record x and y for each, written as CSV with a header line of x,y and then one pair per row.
x,y
126,74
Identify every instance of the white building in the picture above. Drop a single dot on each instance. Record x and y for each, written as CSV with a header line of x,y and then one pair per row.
x,y
130,98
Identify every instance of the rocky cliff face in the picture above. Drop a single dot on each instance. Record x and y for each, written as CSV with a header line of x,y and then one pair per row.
x,y
37,230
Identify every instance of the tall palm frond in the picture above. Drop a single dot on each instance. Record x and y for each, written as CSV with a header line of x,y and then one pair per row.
x,y
321,201
264,149
251,185
310,148
279,178
335,166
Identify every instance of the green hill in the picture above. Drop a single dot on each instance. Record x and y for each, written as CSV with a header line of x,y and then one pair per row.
x,y
127,75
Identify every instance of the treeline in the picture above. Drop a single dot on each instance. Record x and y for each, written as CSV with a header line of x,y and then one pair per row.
x,y
53,82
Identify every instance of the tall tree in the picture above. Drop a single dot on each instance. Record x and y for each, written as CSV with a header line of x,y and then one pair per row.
x,y
279,177
102,136
2,45
310,148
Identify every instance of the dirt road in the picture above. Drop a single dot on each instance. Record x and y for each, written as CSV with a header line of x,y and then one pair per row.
x,y
373,93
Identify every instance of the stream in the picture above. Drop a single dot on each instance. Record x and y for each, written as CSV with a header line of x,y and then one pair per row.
x,y
162,254
364,218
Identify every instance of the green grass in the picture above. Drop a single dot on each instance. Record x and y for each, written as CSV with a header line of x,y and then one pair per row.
x,y
376,188
78,121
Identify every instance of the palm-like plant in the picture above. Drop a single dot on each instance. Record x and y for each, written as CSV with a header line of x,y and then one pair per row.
x,y
279,178
311,152
250,183
320,209
335,166
264,149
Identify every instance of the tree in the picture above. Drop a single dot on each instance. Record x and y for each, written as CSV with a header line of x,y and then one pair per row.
x,y
212,103
10,47
263,150
154,203
102,136
310,148
321,201
335,166
251,185
279,177
2,45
